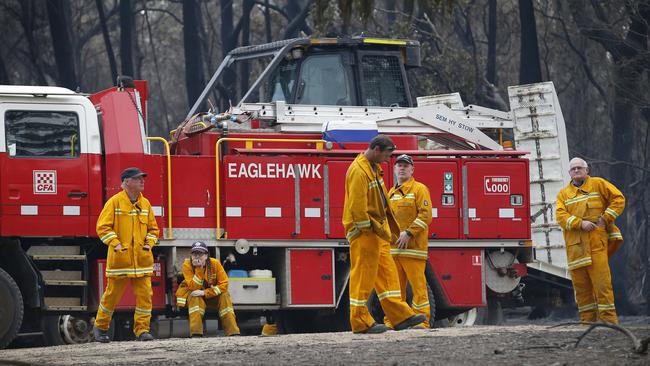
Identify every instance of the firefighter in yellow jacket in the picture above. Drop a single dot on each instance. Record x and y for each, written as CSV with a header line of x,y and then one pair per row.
x,y
410,202
205,286
370,228
586,210
128,227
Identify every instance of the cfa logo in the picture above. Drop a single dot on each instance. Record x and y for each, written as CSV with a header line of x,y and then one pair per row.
x,y
44,181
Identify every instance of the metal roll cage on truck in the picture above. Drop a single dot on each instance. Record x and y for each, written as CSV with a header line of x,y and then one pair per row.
x,y
263,183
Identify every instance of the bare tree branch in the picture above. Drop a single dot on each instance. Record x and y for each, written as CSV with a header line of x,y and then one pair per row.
x,y
600,31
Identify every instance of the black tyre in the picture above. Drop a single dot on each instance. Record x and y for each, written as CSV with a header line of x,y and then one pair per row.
x,y
341,318
492,314
495,313
67,329
298,321
52,330
11,309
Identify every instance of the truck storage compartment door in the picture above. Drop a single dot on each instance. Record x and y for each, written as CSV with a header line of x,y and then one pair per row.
x,y
335,198
44,184
309,277
459,276
193,198
442,178
496,199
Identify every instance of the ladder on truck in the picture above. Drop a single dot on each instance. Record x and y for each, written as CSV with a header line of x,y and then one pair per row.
x,y
535,118
456,127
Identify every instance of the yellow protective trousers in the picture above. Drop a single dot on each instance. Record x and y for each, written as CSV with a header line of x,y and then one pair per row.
x,y
412,270
372,266
112,296
593,284
196,306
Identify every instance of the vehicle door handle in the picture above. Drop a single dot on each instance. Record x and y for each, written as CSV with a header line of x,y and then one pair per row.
x,y
78,194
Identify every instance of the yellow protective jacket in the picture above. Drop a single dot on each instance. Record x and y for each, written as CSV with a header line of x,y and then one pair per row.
x,y
411,205
594,199
364,209
132,225
196,278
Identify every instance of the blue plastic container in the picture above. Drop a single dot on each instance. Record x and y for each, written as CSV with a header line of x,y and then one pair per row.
x,y
349,131
237,273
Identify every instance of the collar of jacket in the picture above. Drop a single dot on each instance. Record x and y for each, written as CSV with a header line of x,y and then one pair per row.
x,y
126,197
366,166
405,187
583,189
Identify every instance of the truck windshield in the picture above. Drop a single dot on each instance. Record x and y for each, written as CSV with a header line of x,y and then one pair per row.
x,y
324,80
282,82
383,84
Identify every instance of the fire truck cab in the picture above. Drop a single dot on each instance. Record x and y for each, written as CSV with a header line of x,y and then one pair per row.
x,y
261,183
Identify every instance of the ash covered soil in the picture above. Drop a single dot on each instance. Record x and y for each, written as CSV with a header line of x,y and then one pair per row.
x,y
512,344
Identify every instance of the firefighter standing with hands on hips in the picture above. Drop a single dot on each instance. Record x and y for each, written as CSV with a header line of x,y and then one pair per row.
x,y
205,284
370,228
127,225
410,202
586,210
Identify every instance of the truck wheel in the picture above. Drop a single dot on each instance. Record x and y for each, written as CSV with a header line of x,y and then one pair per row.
x,y
466,319
494,313
11,309
67,329
340,320
52,330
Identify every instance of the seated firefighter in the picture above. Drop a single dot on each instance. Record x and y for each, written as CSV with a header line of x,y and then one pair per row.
x,y
205,286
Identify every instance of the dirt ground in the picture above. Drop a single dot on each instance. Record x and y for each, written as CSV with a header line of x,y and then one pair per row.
x,y
519,344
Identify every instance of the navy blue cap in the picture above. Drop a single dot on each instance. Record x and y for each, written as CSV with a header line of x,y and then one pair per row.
x,y
404,158
132,173
199,246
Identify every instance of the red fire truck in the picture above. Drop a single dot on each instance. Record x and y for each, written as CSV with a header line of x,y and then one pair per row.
x,y
262,184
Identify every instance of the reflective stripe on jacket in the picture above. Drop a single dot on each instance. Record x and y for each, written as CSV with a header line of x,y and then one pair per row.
x,y
364,209
132,225
594,199
411,205
197,280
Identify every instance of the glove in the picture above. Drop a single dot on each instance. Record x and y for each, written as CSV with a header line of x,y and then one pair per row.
x,y
197,293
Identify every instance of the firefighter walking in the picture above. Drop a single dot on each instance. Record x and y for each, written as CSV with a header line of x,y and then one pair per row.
x,y
410,202
370,228
205,285
586,210
128,227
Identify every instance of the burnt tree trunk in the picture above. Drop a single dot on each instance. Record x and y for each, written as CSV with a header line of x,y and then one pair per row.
x,y
530,70
491,74
244,71
4,77
107,40
267,21
194,76
228,42
28,19
126,37
628,52
297,16
57,11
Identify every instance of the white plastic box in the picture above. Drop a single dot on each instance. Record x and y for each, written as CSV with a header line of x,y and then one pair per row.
x,y
252,290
